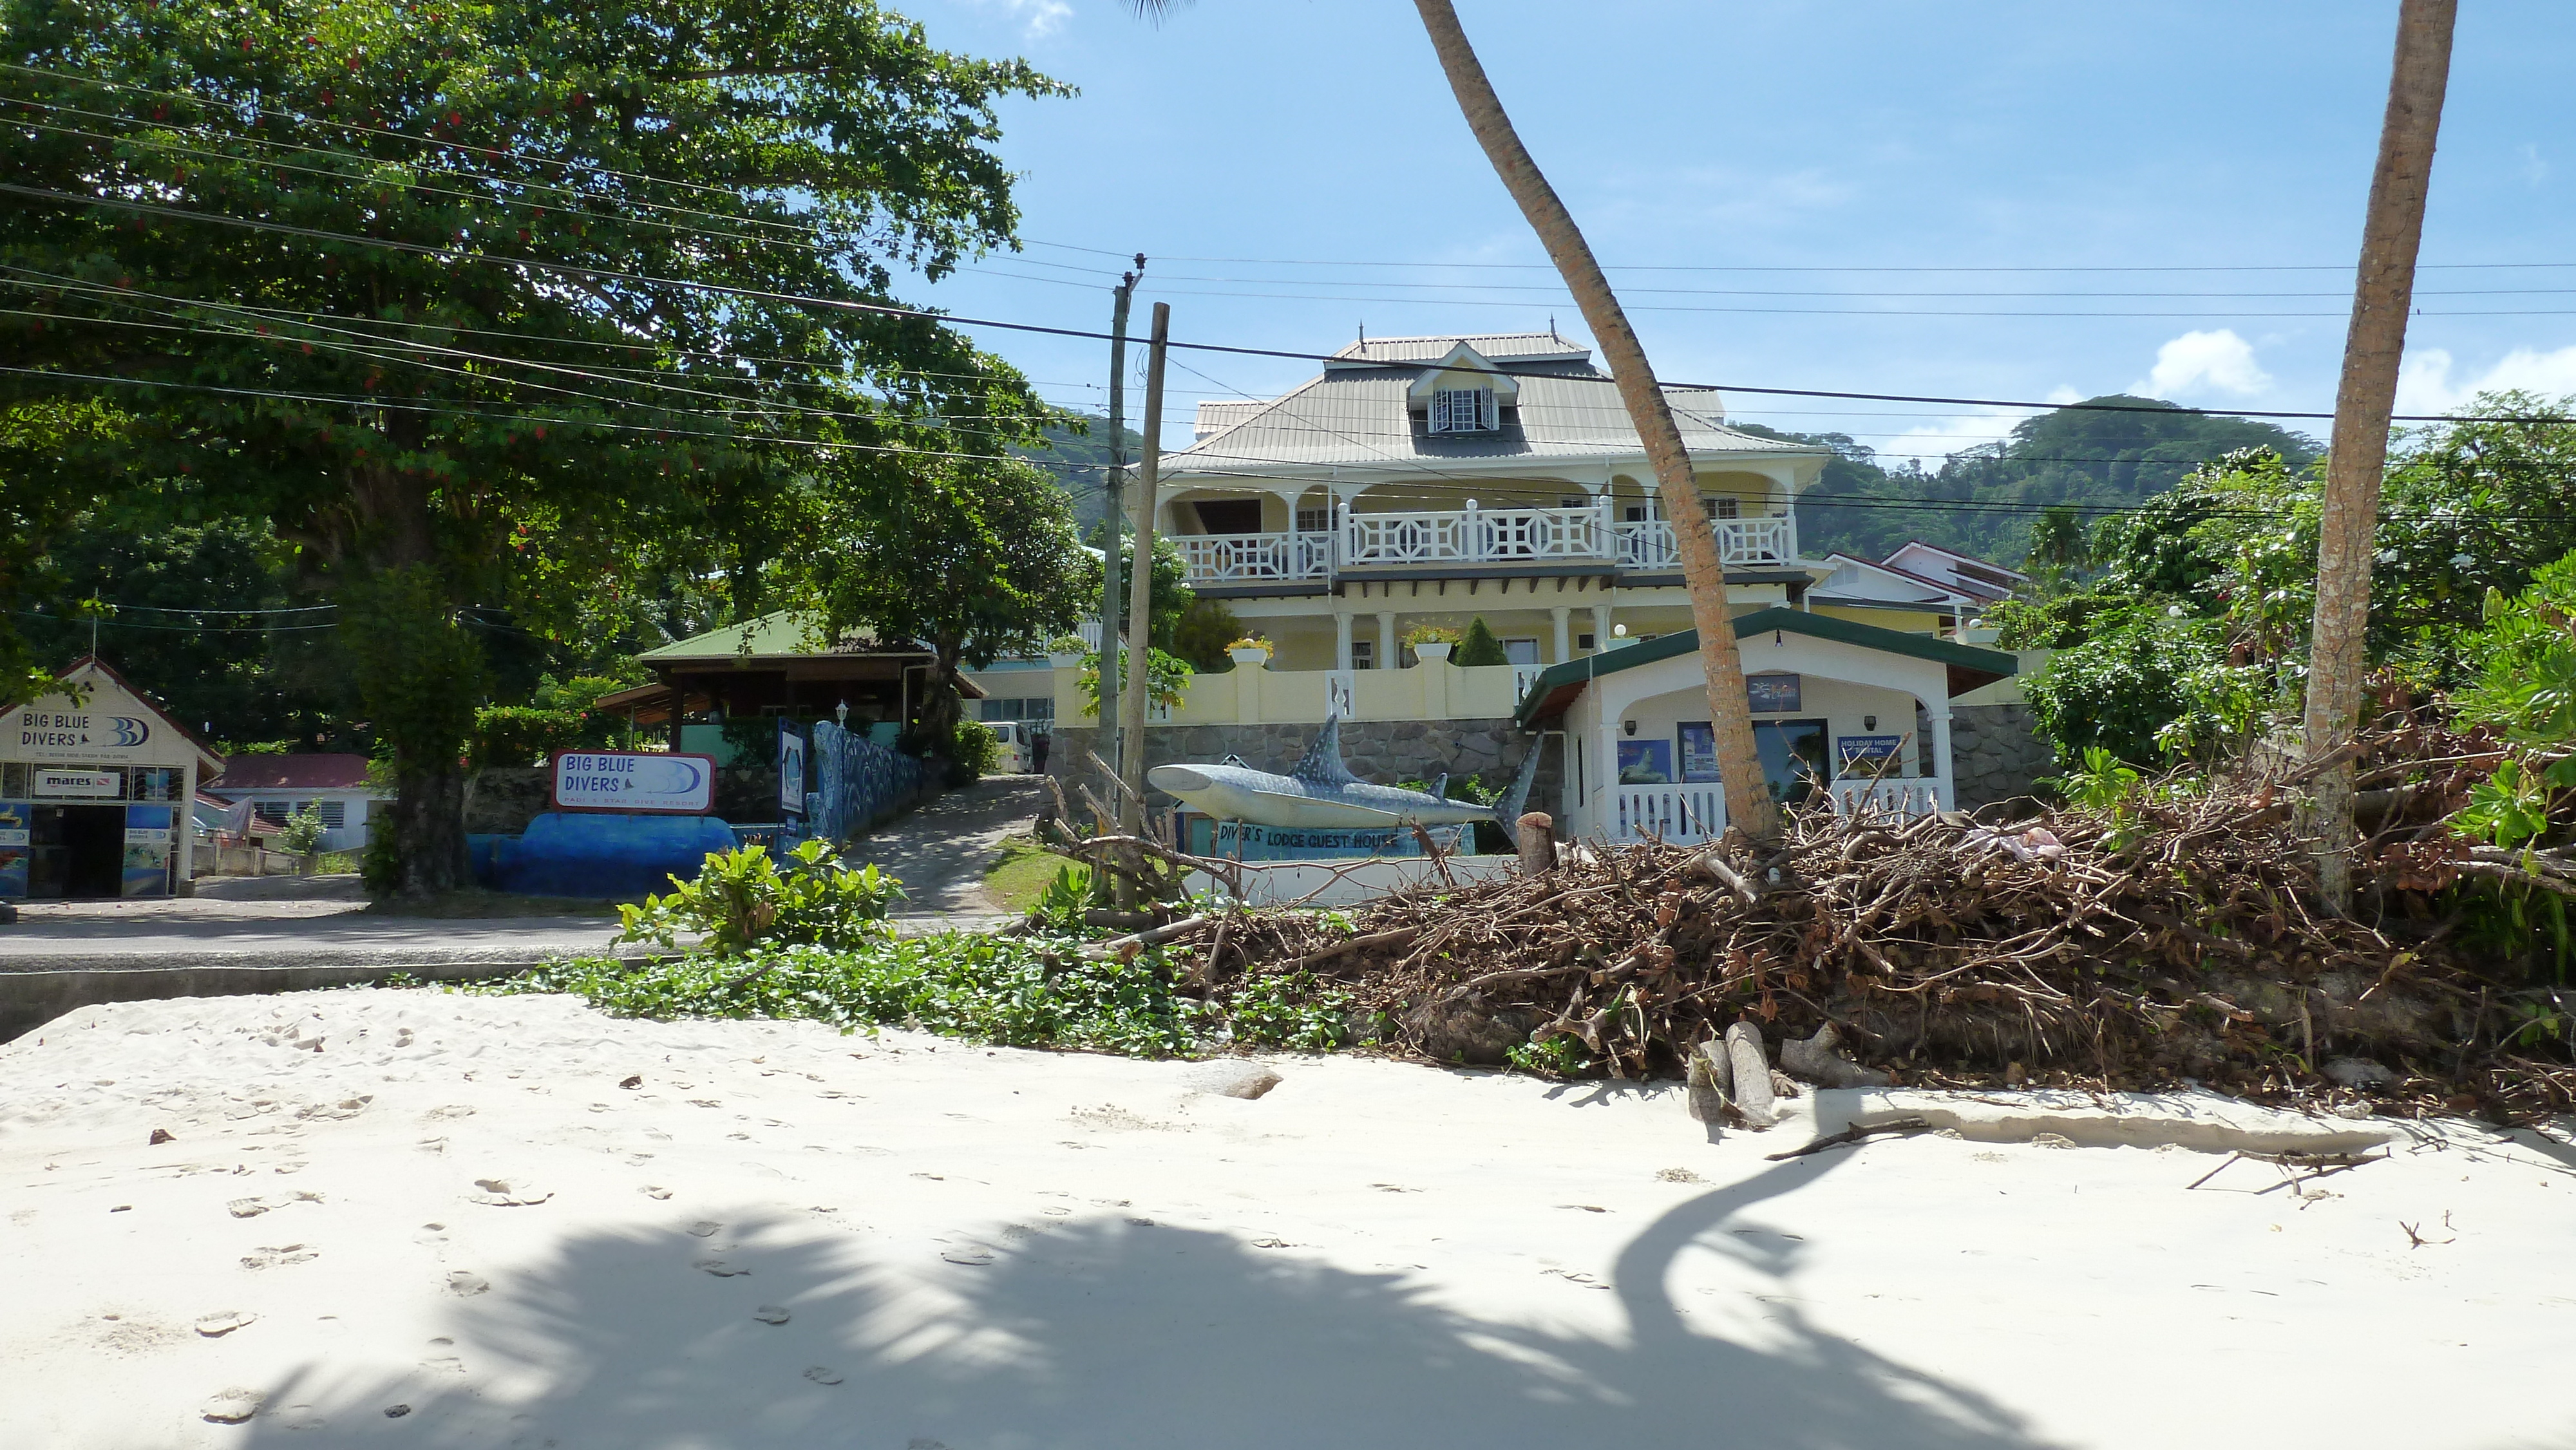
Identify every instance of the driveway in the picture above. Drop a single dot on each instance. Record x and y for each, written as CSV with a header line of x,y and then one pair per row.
x,y
941,852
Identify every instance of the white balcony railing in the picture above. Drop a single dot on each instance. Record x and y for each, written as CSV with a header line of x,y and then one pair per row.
x,y
1246,558
1683,814
1472,536
1769,540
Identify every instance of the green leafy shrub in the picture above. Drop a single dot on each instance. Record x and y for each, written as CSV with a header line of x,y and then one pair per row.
x,y
302,833
743,898
1170,685
972,752
517,735
1555,1057
1480,645
1291,1010
1016,991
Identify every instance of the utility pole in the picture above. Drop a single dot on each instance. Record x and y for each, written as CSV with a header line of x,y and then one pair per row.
x,y
1113,489
2357,458
1131,809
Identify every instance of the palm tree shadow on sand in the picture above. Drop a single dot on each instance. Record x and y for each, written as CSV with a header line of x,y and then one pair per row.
x,y
1121,1336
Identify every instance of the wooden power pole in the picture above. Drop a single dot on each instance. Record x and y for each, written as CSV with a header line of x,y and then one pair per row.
x,y
1140,587
2382,294
1112,491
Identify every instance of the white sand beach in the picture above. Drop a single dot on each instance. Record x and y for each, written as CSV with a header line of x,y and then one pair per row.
x,y
415,1218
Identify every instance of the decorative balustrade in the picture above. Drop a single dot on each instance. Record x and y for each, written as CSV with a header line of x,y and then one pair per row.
x,y
1683,814
1472,536
1768,540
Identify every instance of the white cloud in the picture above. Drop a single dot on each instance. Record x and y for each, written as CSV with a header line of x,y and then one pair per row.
x,y
2425,383
2534,169
1037,17
2062,395
2203,360
1932,442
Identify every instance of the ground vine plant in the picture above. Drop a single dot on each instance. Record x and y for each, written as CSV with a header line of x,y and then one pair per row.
x,y
808,939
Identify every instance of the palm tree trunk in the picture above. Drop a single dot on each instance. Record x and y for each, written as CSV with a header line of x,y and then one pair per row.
x,y
2382,293
1739,766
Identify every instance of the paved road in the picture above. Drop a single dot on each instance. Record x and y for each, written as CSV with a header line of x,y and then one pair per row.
x,y
942,851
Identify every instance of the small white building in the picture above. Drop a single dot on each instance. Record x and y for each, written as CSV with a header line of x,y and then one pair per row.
x,y
333,786
1849,709
95,783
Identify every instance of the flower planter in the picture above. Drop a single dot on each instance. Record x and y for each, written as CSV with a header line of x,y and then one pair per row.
x,y
1433,654
1250,659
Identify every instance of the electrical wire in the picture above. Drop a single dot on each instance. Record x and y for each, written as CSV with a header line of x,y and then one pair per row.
x,y
594,274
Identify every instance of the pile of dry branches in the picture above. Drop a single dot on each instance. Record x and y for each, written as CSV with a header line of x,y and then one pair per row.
x,y
2180,939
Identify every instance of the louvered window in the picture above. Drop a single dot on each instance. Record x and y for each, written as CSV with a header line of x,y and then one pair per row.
x,y
1464,410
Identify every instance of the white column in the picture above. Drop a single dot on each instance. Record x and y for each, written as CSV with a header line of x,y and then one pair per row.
x,y
1563,615
1386,659
1601,626
1341,641
1941,758
186,820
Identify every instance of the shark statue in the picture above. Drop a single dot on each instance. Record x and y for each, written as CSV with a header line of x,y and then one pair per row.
x,y
1320,792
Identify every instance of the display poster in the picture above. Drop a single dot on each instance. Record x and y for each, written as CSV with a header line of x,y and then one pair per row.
x,y
1772,694
791,769
1864,752
1645,762
1699,750
16,823
622,780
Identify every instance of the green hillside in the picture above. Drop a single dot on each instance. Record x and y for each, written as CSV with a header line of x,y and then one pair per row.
x,y
1982,501
1065,455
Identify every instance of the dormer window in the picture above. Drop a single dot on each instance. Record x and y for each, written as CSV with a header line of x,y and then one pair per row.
x,y
1464,410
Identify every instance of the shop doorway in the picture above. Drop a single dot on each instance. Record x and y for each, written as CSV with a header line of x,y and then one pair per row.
x,y
93,850
1795,760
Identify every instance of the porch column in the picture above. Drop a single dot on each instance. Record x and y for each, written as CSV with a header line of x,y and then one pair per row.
x,y
1386,659
1941,757
1600,627
1563,614
1341,641
186,815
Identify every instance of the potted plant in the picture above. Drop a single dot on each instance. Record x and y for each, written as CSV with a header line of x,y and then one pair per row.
x,y
1249,653
1431,643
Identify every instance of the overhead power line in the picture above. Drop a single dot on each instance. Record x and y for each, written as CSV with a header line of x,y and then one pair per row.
x,y
596,274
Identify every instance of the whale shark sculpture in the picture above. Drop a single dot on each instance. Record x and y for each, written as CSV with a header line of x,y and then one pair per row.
x,y
1320,792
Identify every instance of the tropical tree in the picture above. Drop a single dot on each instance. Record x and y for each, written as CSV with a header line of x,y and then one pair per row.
x,y
974,557
495,305
2383,293
1739,765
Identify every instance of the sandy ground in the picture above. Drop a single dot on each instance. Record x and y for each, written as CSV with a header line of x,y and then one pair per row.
x,y
415,1218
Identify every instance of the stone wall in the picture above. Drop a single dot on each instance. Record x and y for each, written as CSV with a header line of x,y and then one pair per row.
x,y
1383,752
1995,753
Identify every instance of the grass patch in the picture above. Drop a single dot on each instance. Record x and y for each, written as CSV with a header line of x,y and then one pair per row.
x,y
474,901
1012,991
1020,876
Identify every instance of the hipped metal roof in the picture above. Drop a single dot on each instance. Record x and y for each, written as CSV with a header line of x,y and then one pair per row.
x,y
1559,685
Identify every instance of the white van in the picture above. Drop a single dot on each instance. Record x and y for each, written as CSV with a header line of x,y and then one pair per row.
x,y
1012,736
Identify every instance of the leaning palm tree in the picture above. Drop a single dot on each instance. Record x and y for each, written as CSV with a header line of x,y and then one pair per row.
x,y
1739,765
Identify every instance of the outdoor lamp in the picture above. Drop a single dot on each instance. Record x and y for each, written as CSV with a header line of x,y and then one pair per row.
x,y
841,714
1869,722
1630,727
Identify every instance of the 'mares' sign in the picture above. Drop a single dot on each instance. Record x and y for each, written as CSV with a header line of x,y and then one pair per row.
x,y
621,780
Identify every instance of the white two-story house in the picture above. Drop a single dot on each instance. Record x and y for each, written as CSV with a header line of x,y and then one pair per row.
x,y
1432,481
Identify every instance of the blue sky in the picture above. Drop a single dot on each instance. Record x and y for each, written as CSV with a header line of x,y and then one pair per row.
x,y
1817,181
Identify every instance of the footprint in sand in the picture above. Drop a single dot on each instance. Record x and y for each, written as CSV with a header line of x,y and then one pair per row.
x,y
216,1326
655,1191
280,1256
233,1406
821,1376
508,1193
465,1286
721,1269
704,1228
770,1314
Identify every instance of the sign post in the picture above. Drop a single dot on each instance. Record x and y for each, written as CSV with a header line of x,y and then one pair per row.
x,y
791,768
634,781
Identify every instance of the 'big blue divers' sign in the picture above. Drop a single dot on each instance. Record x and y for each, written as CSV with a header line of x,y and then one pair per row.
x,y
621,780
